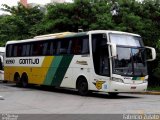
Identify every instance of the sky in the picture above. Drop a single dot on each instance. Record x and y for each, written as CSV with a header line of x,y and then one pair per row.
x,y
14,2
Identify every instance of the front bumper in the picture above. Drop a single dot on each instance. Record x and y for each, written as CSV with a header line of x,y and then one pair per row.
x,y
123,87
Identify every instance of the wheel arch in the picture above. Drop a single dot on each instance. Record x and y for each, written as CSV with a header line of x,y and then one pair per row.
x,y
24,73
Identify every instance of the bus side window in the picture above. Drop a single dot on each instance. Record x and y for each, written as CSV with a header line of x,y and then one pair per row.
x,y
14,50
76,46
44,50
63,46
80,45
85,46
49,48
26,49
37,49
58,47
9,50
53,47
69,47
19,50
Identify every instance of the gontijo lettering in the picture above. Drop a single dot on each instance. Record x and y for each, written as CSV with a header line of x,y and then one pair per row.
x,y
29,61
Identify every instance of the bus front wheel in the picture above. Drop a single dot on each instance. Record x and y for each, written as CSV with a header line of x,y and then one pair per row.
x,y
113,94
82,86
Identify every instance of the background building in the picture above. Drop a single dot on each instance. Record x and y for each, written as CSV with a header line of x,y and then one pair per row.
x,y
24,2
58,1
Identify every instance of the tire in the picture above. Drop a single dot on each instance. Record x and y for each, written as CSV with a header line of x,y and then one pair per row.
x,y
5,81
24,80
17,80
82,86
113,94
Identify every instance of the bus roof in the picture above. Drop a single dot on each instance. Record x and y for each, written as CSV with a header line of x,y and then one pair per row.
x,y
54,35
112,31
66,35
49,36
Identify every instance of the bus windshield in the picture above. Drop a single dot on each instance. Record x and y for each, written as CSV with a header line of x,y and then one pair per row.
x,y
130,59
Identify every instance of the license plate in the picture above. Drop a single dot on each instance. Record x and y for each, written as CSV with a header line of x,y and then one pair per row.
x,y
133,87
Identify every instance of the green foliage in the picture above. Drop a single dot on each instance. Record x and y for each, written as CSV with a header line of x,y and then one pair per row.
x,y
157,70
19,24
154,88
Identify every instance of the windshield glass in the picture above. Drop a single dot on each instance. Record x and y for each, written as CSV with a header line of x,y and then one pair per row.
x,y
130,59
126,40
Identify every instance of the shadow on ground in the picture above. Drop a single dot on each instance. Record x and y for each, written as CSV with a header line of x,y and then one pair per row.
x,y
71,91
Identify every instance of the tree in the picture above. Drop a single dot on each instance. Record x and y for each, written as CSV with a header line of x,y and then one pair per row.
x,y
157,70
18,25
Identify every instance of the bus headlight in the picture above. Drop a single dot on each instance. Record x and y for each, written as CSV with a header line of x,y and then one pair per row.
x,y
117,80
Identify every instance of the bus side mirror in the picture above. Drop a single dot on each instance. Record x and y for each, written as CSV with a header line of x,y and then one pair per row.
x,y
113,49
153,51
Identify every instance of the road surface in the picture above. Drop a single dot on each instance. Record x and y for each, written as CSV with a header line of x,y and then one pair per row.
x,y
39,100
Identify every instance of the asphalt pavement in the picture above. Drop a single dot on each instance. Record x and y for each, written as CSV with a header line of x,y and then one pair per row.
x,y
40,100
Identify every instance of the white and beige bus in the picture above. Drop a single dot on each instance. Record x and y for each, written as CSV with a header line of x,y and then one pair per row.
x,y
2,51
100,60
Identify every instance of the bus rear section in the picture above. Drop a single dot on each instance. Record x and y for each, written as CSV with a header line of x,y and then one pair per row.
x,y
58,60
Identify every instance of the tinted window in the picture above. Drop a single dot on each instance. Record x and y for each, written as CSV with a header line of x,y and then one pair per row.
x,y
37,49
80,45
17,50
63,46
100,54
72,45
9,50
26,49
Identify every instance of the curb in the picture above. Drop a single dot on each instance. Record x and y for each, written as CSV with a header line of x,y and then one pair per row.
x,y
149,93
153,92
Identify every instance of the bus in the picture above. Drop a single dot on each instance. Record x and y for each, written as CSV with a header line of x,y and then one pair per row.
x,y
2,51
99,60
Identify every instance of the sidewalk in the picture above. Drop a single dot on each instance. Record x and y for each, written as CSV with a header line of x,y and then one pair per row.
x,y
152,92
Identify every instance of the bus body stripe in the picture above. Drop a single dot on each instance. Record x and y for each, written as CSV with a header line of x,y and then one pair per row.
x,y
138,78
42,71
52,70
61,70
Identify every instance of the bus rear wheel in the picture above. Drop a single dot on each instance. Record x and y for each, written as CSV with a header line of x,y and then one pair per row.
x,y
17,80
82,86
24,80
